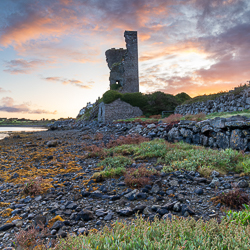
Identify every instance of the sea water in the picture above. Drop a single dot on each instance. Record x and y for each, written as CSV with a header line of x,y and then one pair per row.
x,y
4,130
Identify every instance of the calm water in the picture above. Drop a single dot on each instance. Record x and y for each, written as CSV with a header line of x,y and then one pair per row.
x,y
4,130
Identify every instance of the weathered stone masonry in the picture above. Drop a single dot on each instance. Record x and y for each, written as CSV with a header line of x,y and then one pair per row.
x,y
233,132
117,110
123,64
225,103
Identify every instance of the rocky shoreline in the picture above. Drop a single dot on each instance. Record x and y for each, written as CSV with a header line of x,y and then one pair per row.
x,y
75,203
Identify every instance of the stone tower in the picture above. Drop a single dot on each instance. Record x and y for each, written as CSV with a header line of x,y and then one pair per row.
x,y
123,64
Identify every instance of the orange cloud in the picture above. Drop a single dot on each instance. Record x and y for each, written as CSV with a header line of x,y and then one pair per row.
x,y
66,81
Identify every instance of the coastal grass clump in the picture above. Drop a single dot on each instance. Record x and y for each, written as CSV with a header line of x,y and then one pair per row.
x,y
178,233
177,156
242,217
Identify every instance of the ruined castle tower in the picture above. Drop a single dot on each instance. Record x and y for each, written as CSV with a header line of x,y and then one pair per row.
x,y
123,64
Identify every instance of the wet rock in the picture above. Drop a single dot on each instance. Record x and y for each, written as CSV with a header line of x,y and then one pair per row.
x,y
155,189
82,230
162,211
52,143
85,215
177,207
7,226
243,184
214,183
185,208
215,174
109,216
139,209
57,225
198,191
125,212
167,217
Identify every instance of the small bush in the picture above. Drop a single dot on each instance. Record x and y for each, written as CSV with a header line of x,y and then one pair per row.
x,y
172,118
110,96
234,198
138,177
33,187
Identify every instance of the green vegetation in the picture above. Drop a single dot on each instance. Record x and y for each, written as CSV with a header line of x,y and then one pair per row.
x,y
204,98
177,156
176,234
17,122
115,86
242,217
150,104
110,96
182,97
245,112
114,162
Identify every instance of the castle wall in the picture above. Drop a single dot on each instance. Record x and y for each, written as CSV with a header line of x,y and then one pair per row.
x,y
117,110
123,64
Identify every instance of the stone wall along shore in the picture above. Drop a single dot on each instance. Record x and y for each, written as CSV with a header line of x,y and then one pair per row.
x,y
224,103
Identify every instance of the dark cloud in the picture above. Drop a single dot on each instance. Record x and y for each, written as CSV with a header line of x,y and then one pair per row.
x,y
66,81
21,66
7,104
218,30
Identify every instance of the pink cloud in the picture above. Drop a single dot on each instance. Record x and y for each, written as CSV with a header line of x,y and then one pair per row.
x,y
21,66
7,104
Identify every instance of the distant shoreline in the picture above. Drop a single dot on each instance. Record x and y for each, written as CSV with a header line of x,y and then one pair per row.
x,y
25,126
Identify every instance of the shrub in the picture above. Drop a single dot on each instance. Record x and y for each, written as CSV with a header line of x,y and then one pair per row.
x,y
135,99
234,198
182,97
138,177
172,118
158,102
110,96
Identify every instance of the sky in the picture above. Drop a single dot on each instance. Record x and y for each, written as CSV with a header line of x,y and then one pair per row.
x,y
52,53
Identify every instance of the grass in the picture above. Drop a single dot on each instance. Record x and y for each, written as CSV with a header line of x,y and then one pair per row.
x,y
242,217
178,234
245,112
175,156
198,117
